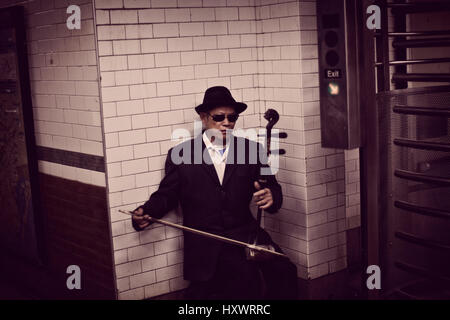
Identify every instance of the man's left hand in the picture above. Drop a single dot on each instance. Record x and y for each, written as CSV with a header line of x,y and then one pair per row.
x,y
263,197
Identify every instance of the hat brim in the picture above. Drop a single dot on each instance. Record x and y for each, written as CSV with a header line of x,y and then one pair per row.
x,y
237,106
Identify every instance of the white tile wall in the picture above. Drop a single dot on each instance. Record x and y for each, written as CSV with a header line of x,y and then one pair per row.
x,y
64,86
156,59
352,189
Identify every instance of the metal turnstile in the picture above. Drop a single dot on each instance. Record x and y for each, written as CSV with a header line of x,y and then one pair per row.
x,y
414,149
417,218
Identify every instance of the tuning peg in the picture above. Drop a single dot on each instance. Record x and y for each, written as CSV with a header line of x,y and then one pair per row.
x,y
280,135
278,151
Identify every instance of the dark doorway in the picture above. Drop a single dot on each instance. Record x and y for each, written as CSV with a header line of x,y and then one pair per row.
x,y
20,231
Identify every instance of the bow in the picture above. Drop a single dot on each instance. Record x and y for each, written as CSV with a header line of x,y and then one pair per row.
x,y
210,235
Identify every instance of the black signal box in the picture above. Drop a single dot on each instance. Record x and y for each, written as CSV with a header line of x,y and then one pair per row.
x,y
338,73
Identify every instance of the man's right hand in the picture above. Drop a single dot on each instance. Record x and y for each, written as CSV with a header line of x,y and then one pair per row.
x,y
140,219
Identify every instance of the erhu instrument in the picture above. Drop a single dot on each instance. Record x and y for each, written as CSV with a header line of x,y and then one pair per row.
x,y
272,117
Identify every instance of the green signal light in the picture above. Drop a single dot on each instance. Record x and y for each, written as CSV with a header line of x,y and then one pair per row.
x,y
333,88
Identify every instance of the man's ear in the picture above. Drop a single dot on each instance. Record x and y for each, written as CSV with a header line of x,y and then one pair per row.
x,y
203,117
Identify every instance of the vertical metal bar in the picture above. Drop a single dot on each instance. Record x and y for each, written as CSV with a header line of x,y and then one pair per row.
x,y
382,49
400,53
369,153
382,157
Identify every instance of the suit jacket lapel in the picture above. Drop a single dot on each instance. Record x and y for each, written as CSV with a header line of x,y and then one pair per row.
x,y
231,162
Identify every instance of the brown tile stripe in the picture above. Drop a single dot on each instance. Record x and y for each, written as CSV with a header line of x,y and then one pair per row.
x,y
72,159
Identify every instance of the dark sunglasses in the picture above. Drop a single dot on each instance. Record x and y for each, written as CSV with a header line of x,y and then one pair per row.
x,y
220,117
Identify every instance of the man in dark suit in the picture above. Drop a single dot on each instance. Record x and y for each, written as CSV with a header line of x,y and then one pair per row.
x,y
214,177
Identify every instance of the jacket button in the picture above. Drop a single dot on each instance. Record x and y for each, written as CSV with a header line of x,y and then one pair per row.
x,y
223,195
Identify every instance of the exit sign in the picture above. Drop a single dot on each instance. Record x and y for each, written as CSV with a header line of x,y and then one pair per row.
x,y
333,73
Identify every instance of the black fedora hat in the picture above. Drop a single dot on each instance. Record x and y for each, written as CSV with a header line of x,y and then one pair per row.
x,y
219,97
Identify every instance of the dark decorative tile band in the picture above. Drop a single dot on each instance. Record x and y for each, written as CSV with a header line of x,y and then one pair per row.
x,y
72,159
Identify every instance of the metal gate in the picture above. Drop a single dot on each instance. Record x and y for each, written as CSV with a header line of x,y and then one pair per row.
x,y
414,152
416,259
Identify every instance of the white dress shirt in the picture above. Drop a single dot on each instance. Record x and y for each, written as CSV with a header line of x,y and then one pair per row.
x,y
218,154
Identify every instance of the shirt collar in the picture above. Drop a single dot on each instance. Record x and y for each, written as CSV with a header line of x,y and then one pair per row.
x,y
211,145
